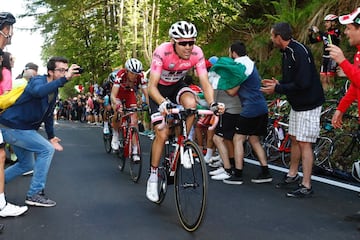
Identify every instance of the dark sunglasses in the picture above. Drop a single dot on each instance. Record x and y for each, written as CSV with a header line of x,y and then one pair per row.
x,y
184,43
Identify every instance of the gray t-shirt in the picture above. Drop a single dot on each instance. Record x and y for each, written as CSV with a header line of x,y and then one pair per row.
x,y
232,103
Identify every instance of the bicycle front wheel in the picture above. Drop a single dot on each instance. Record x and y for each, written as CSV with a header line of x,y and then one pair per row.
x,y
191,187
135,157
107,141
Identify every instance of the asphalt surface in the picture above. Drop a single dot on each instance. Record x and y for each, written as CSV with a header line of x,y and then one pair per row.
x,y
97,201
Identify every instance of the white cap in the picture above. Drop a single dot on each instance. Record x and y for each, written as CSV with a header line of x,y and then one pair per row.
x,y
353,17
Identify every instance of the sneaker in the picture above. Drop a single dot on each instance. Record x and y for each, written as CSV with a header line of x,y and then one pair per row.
x,y
262,178
186,159
354,217
216,164
207,159
215,158
11,210
221,176
39,200
152,191
28,173
288,181
106,130
135,157
301,192
115,144
217,171
235,180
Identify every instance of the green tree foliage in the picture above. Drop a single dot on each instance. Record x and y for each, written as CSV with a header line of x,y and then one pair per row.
x,y
101,34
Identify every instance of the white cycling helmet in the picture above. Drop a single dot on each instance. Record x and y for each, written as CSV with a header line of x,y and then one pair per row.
x,y
182,29
133,65
356,170
330,17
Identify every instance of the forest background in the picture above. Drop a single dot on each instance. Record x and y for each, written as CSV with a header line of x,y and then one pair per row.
x,y
100,35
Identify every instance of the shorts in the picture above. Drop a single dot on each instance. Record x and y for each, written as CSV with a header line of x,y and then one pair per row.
x,y
252,126
173,93
328,67
226,126
305,125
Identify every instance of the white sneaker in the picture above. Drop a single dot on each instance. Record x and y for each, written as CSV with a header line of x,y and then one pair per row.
x,y
221,176
186,160
11,210
215,159
216,164
152,191
207,159
115,143
136,157
217,171
106,130
28,173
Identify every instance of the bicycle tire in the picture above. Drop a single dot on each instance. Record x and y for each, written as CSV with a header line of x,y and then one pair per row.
x,y
285,156
135,166
345,151
270,144
191,188
107,142
323,149
120,153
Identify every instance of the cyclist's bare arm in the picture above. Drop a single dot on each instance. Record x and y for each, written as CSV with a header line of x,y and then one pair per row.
x,y
114,100
153,88
207,88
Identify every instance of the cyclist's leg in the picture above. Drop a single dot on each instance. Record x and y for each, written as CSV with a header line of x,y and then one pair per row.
x,y
187,100
115,137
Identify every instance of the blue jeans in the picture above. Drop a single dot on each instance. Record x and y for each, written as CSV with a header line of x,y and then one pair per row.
x,y
34,152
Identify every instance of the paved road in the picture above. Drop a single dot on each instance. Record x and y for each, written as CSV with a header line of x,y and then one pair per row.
x,y
96,201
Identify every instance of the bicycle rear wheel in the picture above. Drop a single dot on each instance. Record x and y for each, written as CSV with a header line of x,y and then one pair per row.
x,y
271,145
191,188
135,159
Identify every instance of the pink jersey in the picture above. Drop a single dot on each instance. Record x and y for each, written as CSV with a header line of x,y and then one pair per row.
x,y
6,82
172,68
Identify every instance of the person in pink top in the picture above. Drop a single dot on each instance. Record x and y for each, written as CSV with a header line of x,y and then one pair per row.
x,y
352,71
170,63
5,73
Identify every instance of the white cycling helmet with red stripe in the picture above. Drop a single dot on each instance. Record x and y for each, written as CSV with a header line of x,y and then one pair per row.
x,y
182,29
330,17
133,65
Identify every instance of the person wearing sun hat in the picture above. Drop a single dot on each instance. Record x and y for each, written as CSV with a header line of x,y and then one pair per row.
x,y
352,71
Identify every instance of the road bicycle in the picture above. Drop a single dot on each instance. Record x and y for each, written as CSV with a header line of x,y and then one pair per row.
x,y
183,165
346,150
129,140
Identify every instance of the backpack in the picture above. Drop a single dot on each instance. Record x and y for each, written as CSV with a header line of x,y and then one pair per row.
x,y
9,98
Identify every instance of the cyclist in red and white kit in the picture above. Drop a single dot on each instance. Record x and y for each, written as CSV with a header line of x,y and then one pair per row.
x,y
127,82
170,63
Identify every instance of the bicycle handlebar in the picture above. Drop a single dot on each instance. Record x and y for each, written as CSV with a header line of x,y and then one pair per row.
x,y
177,109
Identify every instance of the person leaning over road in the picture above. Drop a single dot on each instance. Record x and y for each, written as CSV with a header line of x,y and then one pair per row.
x,y
6,209
303,90
126,85
20,123
252,121
332,35
352,71
170,63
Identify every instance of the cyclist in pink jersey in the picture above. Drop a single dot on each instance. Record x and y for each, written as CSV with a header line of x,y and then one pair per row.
x,y
171,62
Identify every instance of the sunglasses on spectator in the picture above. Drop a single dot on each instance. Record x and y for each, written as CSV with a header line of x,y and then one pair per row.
x,y
184,43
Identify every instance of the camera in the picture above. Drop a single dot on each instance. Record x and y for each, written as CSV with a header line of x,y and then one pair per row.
x,y
80,70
